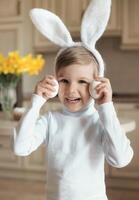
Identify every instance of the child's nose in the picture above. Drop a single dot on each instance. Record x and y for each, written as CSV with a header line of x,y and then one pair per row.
x,y
72,87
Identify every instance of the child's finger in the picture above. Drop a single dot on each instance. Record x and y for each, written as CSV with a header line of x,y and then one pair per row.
x,y
100,89
50,93
103,88
50,80
106,84
47,86
102,79
40,90
101,85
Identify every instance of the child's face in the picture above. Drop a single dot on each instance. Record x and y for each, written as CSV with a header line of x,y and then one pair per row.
x,y
74,83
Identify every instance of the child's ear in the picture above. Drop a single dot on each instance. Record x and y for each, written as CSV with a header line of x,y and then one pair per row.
x,y
94,21
51,26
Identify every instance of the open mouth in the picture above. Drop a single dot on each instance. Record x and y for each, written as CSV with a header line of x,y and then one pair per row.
x,y
73,100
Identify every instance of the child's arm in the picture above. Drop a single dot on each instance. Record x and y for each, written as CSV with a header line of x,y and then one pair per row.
x,y
116,145
32,131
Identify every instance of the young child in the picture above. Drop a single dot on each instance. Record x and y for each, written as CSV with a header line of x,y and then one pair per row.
x,y
79,138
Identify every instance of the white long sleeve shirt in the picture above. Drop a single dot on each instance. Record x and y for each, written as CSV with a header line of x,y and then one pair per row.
x,y
77,143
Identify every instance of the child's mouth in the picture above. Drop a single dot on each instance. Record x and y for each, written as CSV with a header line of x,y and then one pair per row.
x,y
73,100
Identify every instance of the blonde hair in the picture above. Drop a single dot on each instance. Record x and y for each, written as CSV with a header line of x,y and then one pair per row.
x,y
75,55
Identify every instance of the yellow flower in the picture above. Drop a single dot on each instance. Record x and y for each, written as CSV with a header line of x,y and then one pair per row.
x,y
2,59
15,64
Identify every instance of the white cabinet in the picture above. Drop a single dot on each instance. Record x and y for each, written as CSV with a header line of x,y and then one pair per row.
x,y
7,158
9,163
15,26
71,13
11,37
10,10
130,29
123,21
29,167
115,24
10,26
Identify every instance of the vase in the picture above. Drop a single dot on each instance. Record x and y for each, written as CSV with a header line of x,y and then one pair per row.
x,y
7,100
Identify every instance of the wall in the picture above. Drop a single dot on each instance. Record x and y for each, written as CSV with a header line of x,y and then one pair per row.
x,y
122,67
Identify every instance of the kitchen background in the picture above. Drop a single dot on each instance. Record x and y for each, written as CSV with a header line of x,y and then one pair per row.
x,y
120,49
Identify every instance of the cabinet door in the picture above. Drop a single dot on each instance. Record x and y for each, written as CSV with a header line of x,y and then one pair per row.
x,y
130,111
30,167
10,164
11,38
7,156
115,22
130,39
71,13
10,10
8,160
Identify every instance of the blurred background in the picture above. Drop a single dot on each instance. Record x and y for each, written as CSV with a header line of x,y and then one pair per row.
x,y
24,178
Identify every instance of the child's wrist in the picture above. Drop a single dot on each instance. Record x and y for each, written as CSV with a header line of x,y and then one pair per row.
x,y
38,100
104,102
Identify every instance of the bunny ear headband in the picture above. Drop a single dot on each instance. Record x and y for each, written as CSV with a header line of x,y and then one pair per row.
x,y
93,25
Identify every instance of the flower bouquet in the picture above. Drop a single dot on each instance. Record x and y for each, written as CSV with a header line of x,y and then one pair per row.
x,y
11,69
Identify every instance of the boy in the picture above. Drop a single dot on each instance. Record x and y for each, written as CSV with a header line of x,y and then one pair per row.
x,y
79,138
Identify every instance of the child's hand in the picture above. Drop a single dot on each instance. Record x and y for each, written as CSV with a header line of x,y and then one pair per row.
x,y
47,87
104,90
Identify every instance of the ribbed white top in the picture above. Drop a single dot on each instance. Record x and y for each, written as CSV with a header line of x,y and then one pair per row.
x,y
76,147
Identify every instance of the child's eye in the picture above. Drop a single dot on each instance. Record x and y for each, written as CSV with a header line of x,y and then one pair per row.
x,y
83,82
63,81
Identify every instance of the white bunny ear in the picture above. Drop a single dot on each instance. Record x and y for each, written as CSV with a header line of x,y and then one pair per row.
x,y
51,26
95,21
